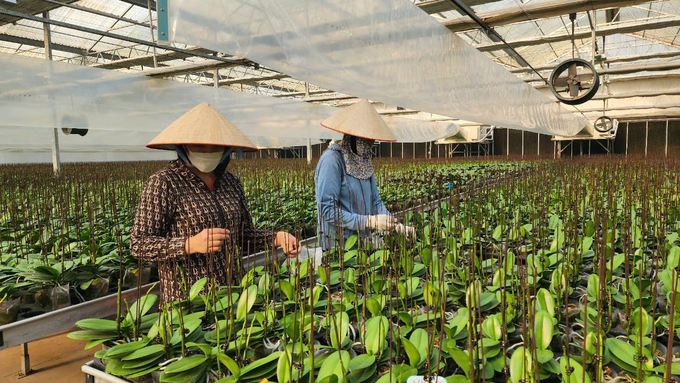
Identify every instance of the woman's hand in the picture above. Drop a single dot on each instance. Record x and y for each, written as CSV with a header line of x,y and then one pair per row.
x,y
381,222
288,242
207,241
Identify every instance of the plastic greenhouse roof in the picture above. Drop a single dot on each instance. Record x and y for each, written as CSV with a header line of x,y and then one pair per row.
x,y
536,55
25,37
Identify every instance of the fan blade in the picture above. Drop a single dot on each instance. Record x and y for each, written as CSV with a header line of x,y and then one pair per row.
x,y
585,77
560,81
573,90
572,70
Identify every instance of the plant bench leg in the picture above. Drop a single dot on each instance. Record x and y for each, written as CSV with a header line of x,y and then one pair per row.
x,y
25,360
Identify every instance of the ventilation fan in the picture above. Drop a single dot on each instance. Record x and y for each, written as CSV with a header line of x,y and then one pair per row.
x,y
574,81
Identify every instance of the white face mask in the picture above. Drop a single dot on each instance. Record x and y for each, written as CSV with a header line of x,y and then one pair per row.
x,y
205,162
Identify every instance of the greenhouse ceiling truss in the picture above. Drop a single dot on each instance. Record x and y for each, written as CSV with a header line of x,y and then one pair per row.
x,y
117,35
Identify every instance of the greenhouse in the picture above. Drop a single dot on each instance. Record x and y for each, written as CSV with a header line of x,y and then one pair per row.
x,y
390,191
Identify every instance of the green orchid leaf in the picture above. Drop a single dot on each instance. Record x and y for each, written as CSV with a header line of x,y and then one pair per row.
x,y
246,302
229,364
376,334
350,242
336,364
148,352
338,328
544,329
420,339
185,364
361,362
97,325
545,301
196,288
121,350
576,375
287,289
520,365
411,351
205,348
145,304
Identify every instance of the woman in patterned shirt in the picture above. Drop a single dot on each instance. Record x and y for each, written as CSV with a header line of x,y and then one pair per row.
x,y
193,218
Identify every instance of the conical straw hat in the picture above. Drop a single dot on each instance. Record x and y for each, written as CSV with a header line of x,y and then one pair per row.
x,y
360,120
202,125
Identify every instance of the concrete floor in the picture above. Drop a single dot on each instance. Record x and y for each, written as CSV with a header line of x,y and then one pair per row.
x,y
56,359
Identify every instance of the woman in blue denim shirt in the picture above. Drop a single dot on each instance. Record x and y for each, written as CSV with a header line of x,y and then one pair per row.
x,y
347,197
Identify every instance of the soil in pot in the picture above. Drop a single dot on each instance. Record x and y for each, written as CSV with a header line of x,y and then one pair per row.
x,y
9,310
60,297
42,299
132,276
97,289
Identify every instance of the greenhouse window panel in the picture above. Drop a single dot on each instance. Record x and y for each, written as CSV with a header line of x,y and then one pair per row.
x,y
384,50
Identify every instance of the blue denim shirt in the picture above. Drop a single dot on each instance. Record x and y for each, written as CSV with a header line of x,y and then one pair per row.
x,y
343,202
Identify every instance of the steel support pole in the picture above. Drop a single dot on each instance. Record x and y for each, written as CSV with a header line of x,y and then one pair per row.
x,y
665,151
56,160
627,123
554,149
153,39
402,150
538,146
646,136
593,37
522,144
25,360
309,151
507,142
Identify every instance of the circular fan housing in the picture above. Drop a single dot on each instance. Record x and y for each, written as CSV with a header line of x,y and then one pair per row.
x,y
574,81
604,124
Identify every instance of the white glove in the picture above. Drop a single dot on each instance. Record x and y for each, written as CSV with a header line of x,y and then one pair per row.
x,y
407,231
381,222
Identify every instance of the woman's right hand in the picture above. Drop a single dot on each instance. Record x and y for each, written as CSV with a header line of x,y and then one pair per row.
x,y
207,241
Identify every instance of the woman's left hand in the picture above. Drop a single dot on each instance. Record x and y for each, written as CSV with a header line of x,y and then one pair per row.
x,y
288,242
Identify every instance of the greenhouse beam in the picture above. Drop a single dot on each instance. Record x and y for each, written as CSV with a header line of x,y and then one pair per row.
x,y
81,28
610,60
492,34
631,27
55,47
533,11
97,12
56,161
628,69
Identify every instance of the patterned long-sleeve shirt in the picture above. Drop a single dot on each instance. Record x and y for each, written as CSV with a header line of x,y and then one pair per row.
x,y
175,205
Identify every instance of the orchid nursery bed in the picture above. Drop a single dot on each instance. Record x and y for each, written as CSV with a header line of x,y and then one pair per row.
x,y
567,273
66,240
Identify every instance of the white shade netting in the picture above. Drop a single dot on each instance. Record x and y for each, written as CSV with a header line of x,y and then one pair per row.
x,y
641,95
384,50
125,111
